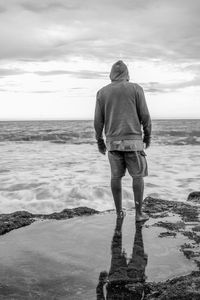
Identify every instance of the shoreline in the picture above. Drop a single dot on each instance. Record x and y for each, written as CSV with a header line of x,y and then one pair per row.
x,y
175,218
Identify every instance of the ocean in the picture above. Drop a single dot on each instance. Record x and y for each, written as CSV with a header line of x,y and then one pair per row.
x,y
47,166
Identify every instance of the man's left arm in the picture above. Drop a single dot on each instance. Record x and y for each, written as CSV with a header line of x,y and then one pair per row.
x,y
144,116
98,126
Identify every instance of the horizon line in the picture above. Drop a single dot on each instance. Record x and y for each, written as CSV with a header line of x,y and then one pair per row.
x,y
89,119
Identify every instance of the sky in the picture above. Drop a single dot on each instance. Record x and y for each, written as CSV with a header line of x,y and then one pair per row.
x,y
56,54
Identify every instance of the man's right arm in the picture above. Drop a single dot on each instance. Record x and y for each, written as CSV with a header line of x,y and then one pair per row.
x,y
144,116
99,125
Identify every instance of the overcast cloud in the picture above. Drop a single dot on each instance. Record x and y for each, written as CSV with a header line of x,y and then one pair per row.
x,y
165,32
44,30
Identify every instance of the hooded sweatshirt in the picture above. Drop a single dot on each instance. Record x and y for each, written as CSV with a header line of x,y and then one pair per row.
x,y
121,108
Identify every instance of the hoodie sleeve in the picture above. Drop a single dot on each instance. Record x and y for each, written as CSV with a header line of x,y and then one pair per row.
x,y
98,119
143,113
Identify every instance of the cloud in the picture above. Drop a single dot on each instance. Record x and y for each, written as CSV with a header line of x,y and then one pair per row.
x,y
154,90
101,30
9,72
38,7
42,92
154,87
47,6
2,9
84,74
28,92
194,67
157,88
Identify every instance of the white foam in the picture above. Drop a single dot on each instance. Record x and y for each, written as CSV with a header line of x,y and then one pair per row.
x,y
42,177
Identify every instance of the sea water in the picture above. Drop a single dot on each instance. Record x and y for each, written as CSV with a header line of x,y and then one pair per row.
x,y
46,166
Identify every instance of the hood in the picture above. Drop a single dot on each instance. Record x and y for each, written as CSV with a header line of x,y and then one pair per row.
x,y
119,72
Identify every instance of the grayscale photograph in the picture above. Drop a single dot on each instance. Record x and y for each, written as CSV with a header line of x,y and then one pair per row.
x,y
99,150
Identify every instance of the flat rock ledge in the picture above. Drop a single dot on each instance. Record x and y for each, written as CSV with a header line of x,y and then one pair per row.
x,y
19,219
181,288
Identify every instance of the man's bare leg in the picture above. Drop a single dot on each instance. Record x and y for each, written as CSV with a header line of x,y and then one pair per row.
x,y
138,190
116,188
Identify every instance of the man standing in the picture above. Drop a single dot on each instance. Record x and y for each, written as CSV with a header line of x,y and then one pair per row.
x,y
122,112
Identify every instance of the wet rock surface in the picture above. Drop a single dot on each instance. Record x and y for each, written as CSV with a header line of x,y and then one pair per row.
x,y
171,226
15,220
19,219
176,218
182,288
166,234
161,208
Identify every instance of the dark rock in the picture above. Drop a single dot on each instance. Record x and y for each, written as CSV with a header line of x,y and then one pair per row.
x,y
192,236
187,212
19,219
60,215
187,245
159,215
9,223
79,211
196,228
69,213
22,214
181,288
190,251
194,196
166,234
171,226
59,142
153,205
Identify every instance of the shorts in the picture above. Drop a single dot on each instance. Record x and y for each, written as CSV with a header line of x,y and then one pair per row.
x,y
134,161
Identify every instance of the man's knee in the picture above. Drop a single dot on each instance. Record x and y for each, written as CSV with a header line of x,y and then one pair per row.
x,y
138,180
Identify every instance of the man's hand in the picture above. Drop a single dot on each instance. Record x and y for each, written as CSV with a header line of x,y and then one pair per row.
x,y
101,146
147,145
147,141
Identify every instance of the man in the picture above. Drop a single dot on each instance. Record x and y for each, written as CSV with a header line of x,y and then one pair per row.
x,y
122,112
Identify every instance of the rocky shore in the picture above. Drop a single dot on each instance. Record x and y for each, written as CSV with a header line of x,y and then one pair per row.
x,y
176,218
19,219
184,287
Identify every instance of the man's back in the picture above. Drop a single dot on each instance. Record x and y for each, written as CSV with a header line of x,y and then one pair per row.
x,y
123,107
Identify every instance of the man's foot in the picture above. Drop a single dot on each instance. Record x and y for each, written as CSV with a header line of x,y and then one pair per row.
x,y
142,217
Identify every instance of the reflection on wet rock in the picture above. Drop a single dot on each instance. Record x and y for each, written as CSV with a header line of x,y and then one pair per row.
x,y
126,276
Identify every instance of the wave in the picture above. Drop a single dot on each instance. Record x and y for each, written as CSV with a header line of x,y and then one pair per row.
x,y
54,138
171,132
159,139
48,198
177,133
178,141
